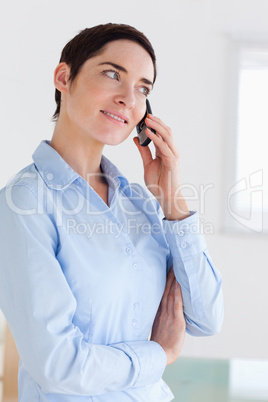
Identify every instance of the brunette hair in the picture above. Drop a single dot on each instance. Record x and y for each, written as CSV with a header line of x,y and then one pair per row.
x,y
90,42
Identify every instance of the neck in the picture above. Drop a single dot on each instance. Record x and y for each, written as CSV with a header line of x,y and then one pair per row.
x,y
82,153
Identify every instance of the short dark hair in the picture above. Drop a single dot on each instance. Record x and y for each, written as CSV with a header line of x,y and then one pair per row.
x,y
90,42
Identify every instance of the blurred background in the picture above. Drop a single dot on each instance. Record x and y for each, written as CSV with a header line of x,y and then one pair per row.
x,y
212,90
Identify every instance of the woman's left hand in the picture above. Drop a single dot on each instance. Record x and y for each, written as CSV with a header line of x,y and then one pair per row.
x,y
162,174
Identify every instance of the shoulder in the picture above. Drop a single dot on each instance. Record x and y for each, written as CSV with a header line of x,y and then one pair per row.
x,y
27,177
22,189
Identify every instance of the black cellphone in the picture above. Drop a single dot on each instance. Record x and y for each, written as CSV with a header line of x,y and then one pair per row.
x,y
141,127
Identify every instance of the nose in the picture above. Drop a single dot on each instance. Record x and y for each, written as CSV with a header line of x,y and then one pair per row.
x,y
126,97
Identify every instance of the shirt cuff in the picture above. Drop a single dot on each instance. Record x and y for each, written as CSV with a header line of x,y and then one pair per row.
x,y
187,245
185,237
170,220
152,359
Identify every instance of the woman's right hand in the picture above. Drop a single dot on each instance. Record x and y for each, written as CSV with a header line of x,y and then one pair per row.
x,y
169,324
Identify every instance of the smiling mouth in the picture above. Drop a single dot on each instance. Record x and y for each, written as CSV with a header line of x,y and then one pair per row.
x,y
114,116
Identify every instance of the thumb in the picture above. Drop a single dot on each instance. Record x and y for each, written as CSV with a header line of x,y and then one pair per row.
x,y
145,152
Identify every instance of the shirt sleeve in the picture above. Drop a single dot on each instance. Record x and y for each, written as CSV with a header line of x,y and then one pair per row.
x,y
200,281
39,307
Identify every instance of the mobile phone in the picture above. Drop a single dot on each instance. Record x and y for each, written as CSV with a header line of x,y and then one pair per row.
x,y
141,127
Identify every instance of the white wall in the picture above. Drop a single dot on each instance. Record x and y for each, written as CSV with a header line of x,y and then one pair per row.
x,y
191,40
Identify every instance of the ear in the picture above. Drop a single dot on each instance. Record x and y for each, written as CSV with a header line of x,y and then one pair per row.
x,y
61,77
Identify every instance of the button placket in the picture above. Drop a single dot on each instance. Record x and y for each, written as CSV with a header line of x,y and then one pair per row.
x,y
136,311
129,250
136,314
181,242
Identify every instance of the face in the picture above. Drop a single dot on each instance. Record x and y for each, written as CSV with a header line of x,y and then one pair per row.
x,y
107,98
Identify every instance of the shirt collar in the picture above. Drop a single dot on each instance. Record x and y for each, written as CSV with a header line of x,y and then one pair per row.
x,y
113,173
58,175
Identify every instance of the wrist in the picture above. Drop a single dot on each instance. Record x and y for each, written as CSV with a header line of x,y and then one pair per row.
x,y
177,217
169,358
175,209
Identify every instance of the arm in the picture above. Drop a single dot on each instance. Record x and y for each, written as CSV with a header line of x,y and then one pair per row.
x,y
169,324
39,306
200,281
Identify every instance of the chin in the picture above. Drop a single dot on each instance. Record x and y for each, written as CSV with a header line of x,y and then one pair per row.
x,y
114,140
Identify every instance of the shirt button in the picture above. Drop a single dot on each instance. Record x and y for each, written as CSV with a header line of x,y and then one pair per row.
x,y
181,233
183,245
135,266
134,322
129,250
50,176
135,306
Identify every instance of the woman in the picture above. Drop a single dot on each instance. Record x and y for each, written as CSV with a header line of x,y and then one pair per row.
x,y
85,254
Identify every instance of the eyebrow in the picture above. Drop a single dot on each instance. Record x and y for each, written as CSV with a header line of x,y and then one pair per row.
x,y
120,68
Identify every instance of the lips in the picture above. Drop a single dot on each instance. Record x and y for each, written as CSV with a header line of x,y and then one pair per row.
x,y
117,116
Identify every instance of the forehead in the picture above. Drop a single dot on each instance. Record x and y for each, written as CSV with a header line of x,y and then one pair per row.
x,y
128,54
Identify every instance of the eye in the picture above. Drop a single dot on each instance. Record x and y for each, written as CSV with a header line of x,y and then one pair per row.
x,y
114,75
144,90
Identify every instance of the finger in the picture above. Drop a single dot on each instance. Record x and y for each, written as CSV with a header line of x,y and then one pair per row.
x,y
171,298
169,281
160,143
178,302
157,120
145,152
163,130
166,154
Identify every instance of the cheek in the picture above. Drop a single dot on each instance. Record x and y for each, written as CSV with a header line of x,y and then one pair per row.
x,y
137,116
82,103
140,113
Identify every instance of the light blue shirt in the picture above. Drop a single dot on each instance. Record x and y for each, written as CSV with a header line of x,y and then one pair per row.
x,y
81,282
